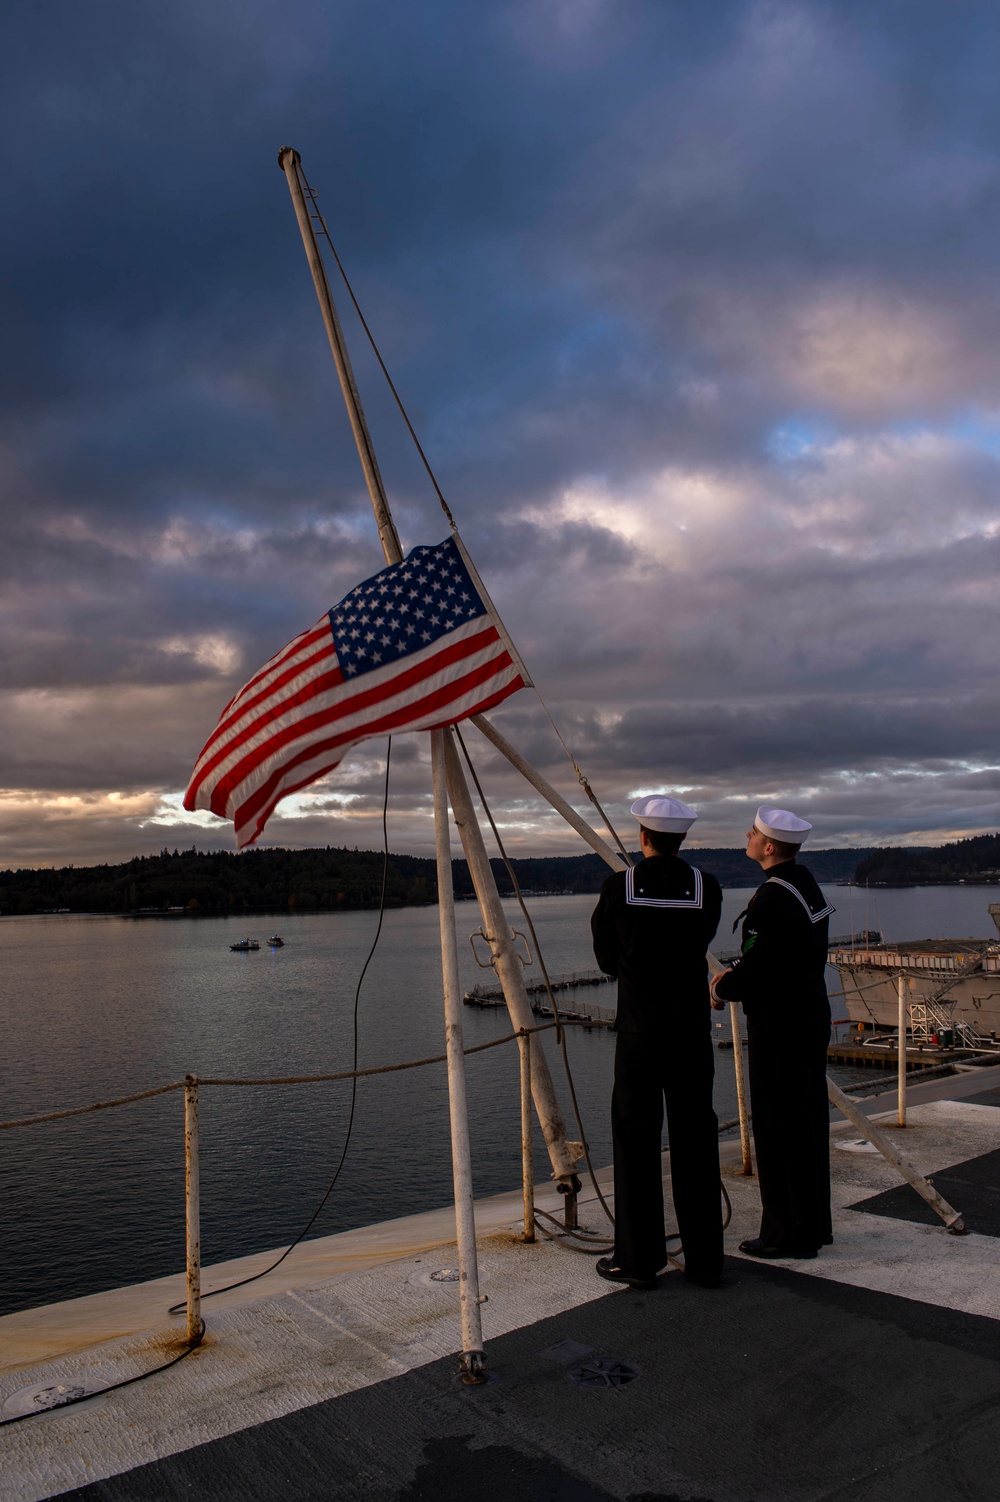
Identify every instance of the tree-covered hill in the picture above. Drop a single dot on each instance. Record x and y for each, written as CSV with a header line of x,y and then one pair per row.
x,y
975,859
275,880
222,882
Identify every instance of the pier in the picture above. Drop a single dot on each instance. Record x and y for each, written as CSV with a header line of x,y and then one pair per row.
x,y
881,1056
586,1016
489,995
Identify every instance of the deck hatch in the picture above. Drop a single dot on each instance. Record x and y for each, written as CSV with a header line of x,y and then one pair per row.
x,y
604,1371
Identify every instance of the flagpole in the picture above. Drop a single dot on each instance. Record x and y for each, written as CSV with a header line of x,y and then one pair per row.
x,y
563,1155
461,1155
288,161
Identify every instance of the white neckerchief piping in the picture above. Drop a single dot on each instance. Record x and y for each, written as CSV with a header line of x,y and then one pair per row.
x,y
634,901
813,917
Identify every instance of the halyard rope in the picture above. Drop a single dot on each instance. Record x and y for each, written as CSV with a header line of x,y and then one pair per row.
x,y
311,193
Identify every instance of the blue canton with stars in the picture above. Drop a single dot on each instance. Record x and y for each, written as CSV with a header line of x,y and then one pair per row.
x,y
406,607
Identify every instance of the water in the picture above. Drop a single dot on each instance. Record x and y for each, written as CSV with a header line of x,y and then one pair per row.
x,y
100,1007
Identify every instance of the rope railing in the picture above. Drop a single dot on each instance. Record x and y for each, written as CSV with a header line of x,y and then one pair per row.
x,y
97,1105
191,1086
192,1083
287,1079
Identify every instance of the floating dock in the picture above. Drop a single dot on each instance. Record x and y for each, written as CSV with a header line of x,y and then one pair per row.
x,y
490,995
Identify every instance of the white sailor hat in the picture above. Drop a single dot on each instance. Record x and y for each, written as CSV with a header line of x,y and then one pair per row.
x,y
779,824
665,814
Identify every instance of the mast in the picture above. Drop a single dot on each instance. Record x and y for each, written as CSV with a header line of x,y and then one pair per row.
x,y
563,1154
288,161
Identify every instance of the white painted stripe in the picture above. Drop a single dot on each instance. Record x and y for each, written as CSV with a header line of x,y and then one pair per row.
x,y
688,902
380,679
779,881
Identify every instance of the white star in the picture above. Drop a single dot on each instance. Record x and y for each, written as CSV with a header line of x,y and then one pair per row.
x,y
426,635
376,657
350,667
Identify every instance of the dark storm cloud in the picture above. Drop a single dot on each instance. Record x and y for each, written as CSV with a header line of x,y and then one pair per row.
x,y
695,308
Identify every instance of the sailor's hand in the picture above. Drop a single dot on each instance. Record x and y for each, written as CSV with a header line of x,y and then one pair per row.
x,y
718,1005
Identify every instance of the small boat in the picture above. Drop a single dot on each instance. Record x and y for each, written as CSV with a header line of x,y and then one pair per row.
x,y
276,942
245,944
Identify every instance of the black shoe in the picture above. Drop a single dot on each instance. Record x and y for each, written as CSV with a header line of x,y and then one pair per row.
x,y
607,1269
704,1280
757,1248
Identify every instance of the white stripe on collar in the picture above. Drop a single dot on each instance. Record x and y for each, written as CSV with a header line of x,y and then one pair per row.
x,y
813,917
634,901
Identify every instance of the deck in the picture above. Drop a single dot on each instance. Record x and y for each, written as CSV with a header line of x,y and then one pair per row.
x,y
869,1375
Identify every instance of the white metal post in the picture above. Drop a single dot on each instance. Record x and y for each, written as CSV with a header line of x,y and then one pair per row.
x,y
563,1154
192,1206
461,1156
901,1049
850,1108
558,802
527,1156
741,1085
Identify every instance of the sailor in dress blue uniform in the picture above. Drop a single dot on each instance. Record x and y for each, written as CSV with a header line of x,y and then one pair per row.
x,y
780,979
652,928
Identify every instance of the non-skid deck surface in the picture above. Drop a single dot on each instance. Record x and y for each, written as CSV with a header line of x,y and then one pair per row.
x,y
869,1375
974,1184
776,1387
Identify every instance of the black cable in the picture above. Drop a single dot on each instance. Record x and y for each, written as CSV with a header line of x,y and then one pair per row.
x,y
175,1308
114,1386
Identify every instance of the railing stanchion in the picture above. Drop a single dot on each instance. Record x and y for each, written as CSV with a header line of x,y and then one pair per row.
x,y
472,1366
901,1049
741,1086
192,1204
527,1155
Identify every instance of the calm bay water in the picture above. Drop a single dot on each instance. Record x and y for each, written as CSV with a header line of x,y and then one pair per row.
x,y
99,1007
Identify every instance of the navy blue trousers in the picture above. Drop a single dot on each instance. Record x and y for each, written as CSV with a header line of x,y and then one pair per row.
x,y
791,1128
678,1072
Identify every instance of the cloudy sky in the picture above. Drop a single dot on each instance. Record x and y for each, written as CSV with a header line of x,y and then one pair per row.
x,y
696,309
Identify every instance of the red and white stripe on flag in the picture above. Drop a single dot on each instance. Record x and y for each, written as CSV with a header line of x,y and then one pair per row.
x,y
413,648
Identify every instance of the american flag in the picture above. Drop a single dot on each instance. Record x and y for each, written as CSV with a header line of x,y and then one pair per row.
x,y
415,647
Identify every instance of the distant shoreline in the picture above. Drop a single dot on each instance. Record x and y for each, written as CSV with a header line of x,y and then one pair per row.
x,y
275,881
